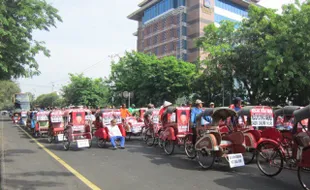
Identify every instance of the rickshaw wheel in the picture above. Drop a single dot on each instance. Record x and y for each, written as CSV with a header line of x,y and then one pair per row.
x,y
202,156
144,135
66,142
90,143
50,138
189,147
302,177
36,134
150,138
171,144
249,156
275,154
101,143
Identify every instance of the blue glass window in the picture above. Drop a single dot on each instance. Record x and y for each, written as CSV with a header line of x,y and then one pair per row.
x,y
155,39
232,7
184,44
184,57
184,31
156,51
160,8
172,46
218,18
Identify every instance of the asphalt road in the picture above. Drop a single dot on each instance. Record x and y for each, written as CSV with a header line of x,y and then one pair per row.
x,y
27,166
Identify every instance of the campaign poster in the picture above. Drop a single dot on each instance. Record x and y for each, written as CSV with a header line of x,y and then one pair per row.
x,y
183,117
79,118
262,117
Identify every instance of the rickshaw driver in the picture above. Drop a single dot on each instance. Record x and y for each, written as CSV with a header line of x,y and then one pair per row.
x,y
236,106
194,112
125,113
115,134
163,109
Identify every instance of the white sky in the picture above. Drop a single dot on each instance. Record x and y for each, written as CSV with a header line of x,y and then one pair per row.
x,y
90,32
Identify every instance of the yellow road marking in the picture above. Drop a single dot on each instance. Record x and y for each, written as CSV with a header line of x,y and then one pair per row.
x,y
73,171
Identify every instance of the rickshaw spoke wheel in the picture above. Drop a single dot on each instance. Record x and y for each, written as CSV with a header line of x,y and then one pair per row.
x,y
160,143
169,147
50,138
144,134
66,141
304,177
150,137
249,156
269,159
101,143
205,159
189,147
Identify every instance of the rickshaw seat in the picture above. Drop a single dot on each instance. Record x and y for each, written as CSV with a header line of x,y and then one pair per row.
x,y
58,129
235,138
225,143
303,139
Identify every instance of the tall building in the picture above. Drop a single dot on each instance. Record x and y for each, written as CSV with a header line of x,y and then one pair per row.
x,y
170,27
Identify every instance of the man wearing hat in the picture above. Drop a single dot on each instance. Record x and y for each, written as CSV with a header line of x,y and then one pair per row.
x,y
237,104
195,111
164,108
211,105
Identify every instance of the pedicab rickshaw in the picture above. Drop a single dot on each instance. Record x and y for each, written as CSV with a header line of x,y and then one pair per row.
x,y
175,128
202,121
284,118
253,117
141,112
276,156
152,127
56,126
23,118
103,120
16,116
133,127
42,123
77,129
212,144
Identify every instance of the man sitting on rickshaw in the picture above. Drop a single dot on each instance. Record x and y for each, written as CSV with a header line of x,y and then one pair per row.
x,y
194,112
163,109
115,134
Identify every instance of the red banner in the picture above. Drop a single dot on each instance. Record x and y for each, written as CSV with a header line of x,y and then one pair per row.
x,y
183,117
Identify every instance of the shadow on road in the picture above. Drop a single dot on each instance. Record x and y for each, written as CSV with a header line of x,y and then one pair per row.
x,y
29,185
246,181
158,157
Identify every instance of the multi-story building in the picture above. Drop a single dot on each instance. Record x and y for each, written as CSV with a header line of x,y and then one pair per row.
x,y
170,27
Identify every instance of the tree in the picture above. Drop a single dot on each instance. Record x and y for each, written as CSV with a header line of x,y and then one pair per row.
x,y
267,54
7,90
152,79
48,100
85,91
18,48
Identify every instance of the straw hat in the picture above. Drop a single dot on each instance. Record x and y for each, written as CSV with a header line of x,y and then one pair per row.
x,y
166,104
198,101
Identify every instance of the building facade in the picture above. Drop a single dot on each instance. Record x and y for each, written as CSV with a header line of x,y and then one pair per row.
x,y
170,27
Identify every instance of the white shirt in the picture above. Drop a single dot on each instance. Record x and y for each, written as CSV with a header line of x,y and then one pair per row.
x,y
114,131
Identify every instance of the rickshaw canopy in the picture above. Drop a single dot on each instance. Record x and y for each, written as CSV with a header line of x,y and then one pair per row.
x,y
246,111
222,113
286,111
301,114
